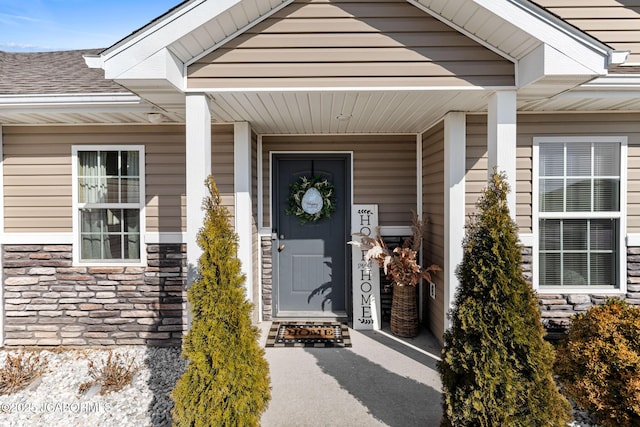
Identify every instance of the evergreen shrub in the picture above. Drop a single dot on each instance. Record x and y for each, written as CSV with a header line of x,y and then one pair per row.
x,y
496,367
226,382
599,363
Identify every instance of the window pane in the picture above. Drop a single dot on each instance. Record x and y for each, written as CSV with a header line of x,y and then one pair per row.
x,y
92,220
606,159
132,246
91,190
578,159
552,160
549,269
113,192
130,190
603,234
551,195
111,163
578,195
603,269
87,163
606,195
131,221
130,163
91,246
549,234
574,235
114,246
575,271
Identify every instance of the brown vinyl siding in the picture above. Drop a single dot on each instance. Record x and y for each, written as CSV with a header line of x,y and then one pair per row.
x,y
38,181
384,170
433,214
222,165
350,43
532,125
614,22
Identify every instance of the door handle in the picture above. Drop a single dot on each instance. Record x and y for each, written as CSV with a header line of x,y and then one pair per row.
x,y
280,248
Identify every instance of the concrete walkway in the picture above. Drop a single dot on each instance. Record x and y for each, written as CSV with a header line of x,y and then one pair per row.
x,y
380,381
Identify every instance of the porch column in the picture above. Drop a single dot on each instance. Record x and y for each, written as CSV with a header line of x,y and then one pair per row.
x,y
454,202
1,231
198,167
243,204
501,140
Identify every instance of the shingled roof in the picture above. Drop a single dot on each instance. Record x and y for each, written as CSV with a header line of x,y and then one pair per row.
x,y
52,73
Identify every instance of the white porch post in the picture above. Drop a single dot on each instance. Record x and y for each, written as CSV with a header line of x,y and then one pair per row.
x,y
501,140
1,231
243,204
198,167
454,202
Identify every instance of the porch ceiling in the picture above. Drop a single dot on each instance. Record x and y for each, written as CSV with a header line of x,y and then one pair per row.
x,y
326,112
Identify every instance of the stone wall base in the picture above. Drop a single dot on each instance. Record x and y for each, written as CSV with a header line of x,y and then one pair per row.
x,y
48,301
557,309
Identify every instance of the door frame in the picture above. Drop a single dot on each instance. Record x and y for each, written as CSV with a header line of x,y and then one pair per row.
x,y
348,155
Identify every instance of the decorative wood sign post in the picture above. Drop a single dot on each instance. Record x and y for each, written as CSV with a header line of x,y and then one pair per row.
x,y
366,275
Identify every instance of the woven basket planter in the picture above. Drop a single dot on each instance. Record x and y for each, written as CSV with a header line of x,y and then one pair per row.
x,y
404,311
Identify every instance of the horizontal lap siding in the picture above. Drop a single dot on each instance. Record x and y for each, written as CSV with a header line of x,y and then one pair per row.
x,y
349,44
222,165
433,214
37,174
530,126
384,170
38,182
614,22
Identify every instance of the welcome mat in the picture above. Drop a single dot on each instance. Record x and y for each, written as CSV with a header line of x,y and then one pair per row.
x,y
308,334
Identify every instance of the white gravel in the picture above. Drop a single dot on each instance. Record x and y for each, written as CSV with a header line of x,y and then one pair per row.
x,y
54,400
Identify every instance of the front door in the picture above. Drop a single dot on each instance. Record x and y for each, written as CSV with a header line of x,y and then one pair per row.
x,y
310,258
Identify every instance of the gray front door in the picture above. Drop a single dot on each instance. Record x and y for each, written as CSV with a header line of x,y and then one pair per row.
x,y
310,259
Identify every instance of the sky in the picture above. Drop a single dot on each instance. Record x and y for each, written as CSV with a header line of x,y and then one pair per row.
x,y
45,25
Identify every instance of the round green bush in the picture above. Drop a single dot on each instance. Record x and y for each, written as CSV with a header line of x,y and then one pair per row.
x,y
599,363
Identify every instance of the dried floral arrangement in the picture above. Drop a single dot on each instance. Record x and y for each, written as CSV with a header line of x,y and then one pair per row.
x,y
400,264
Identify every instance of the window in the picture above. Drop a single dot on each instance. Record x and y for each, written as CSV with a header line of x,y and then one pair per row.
x,y
579,193
109,203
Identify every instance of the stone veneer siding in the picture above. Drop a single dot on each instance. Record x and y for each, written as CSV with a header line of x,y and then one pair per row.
x,y
48,301
266,247
557,309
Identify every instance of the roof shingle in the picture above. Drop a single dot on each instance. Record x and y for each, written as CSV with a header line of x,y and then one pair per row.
x,y
52,73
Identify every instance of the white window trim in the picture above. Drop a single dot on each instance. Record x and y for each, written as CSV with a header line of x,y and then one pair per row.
x,y
622,249
76,216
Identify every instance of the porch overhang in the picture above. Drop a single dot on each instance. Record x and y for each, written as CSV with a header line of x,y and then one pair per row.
x,y
550,58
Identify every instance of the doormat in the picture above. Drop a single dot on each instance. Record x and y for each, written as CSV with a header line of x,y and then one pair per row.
x,y
308,334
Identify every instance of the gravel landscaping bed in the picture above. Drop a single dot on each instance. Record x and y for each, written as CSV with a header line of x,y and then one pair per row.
x,y
54,399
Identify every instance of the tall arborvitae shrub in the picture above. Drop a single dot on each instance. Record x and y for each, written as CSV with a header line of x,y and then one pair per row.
x,y
226,382
496,368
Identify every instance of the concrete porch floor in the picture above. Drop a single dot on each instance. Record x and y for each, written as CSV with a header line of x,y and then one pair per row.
x,y
381,380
